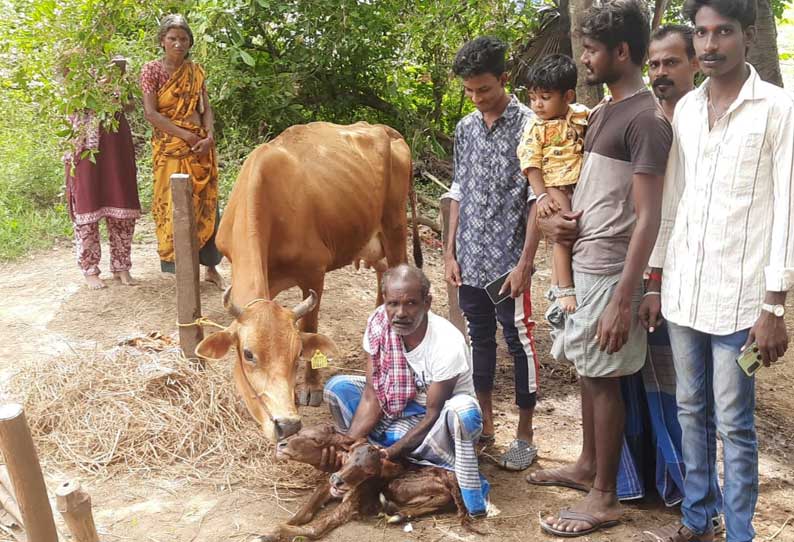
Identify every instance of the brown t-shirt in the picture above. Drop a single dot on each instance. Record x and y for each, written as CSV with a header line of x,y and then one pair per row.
x,y
623,138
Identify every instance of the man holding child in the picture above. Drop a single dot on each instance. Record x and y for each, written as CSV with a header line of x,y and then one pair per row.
x,y
618,198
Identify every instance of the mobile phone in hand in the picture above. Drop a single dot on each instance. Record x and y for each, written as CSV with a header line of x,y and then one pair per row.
x,y
493,287
750,360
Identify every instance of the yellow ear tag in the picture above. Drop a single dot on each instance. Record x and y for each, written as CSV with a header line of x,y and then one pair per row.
x,y
319,360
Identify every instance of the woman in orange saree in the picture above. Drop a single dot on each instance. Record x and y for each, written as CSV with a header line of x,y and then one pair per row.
x,y
175,102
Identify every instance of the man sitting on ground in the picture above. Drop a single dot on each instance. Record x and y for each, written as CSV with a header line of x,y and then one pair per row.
x,y
417,399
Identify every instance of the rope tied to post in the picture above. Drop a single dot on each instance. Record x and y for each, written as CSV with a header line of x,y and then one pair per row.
x,y
204,321
201,321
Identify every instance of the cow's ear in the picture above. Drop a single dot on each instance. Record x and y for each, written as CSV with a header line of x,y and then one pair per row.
x,y
218,344
316,341
390,469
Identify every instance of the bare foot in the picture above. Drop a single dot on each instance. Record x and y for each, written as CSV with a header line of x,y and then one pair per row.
x,y
601,506
94,282
568,303
570,476
125,278
212,275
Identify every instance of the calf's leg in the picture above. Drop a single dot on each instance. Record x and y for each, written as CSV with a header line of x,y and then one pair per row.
x,y
344,512
317,500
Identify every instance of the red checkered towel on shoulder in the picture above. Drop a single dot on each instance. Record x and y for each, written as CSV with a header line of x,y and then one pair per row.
x,y
392,377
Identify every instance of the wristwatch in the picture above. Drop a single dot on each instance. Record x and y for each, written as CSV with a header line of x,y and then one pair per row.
x,y
777,310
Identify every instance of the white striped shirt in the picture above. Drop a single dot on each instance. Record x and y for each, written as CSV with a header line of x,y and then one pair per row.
x,y
726,235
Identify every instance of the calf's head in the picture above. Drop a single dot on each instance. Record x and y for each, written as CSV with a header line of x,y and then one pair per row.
x,y
269,345
307,445
363,462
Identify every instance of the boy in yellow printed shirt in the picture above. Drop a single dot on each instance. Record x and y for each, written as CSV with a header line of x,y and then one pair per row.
x,y
551,151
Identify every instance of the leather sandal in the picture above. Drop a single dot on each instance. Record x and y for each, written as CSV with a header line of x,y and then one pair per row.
x,y
593,524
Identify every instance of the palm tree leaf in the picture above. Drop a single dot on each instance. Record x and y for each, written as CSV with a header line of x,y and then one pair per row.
x,y
553,36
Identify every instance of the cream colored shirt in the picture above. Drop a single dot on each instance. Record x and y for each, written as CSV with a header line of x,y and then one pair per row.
x,y
727,232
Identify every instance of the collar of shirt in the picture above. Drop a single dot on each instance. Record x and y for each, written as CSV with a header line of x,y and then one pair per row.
x,y
750,91
576,114
512,109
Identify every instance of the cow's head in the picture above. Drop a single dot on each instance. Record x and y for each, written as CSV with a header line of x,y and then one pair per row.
x,y
268,345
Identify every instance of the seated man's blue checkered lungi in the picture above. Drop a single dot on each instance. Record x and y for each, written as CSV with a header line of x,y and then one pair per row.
x,y
450,444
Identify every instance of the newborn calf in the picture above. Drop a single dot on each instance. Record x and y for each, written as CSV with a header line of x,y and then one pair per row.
x,y
421,491
365,475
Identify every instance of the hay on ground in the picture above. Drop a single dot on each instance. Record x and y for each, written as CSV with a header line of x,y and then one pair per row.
x,y
143,408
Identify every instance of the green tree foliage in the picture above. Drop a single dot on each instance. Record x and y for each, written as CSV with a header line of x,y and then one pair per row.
x,y
347,60
59,54
270,64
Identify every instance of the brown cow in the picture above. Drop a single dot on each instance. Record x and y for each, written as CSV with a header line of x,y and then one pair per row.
x,y
315,199
366,483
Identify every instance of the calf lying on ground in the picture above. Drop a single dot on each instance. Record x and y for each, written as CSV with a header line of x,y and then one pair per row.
x,y
366,483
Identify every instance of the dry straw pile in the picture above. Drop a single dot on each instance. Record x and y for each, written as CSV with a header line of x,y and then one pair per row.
x,y
142,408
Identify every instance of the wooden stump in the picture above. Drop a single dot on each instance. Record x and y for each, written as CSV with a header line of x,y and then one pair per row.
x,y
24,470
455,314
186,250
74,504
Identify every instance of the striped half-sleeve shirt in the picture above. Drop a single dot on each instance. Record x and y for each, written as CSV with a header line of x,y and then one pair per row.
x,y
726,235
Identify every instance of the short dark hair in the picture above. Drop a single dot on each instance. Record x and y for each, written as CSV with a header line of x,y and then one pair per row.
x,y
485,54
617,21
743,11
686,33
553,72
406,271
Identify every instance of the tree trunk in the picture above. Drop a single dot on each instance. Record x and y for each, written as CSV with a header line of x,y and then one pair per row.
x,y
658,13
763,53
585,94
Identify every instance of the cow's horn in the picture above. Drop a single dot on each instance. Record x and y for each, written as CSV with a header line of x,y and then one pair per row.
x,y
233,309
305,306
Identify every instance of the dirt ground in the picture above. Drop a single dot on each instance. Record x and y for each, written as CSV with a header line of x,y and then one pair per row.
x,y
47,310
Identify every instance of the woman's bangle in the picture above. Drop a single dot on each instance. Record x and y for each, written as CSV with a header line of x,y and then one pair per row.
x,y
540,197
646,294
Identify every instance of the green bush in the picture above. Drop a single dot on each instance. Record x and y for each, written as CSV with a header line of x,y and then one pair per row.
x,y
32,205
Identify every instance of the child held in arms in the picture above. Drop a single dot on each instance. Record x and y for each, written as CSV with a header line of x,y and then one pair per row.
x,y
550,152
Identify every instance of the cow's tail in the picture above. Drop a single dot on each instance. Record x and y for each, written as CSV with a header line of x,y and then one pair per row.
x,y
417,242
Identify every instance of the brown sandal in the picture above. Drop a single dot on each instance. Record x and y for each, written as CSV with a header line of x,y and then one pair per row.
x,y
593,524
557,482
